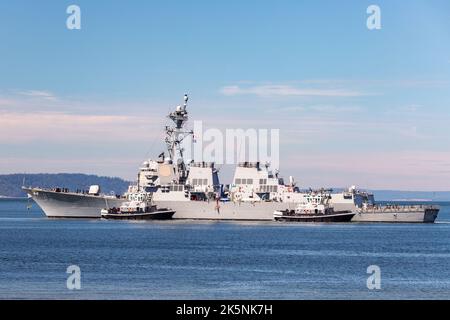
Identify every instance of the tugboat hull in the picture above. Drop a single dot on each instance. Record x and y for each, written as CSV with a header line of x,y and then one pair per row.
x,y
336,217
156,215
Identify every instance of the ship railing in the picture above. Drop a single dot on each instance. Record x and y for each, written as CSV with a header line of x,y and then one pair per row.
x,y
399,208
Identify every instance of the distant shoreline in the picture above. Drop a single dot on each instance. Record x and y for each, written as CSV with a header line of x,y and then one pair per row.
x,y
412,200
13,198
11,184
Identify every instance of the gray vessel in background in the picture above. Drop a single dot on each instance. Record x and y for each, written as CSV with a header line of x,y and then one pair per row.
x,y
367,210
193,190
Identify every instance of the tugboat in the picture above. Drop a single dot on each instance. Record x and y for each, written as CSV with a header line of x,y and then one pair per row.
x,y
315,208
138,207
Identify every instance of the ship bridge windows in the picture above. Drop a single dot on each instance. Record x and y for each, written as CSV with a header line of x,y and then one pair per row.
x,y
246,181
262,181
243,181
266,188
200,182
176,188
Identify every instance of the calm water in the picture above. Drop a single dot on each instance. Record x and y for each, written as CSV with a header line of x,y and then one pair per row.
x,y
218,260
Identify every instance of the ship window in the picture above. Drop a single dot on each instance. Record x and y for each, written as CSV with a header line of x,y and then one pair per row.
x,y
205,182
194,182
261,181
249,181
275,189
238,181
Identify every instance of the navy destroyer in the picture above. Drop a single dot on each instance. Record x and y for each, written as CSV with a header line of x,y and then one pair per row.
x,y
367,210
193,189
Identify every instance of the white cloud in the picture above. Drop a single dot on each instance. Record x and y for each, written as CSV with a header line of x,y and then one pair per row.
x,y
61,127
320,109
287,90
46,95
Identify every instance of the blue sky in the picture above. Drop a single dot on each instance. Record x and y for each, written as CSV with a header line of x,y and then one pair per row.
x,y
353,106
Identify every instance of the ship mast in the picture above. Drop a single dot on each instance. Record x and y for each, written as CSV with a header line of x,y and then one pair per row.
x,y
175,135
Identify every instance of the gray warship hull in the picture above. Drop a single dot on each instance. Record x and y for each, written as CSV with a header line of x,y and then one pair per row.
x,y
204,210
71,205
75,205
401,214
415,216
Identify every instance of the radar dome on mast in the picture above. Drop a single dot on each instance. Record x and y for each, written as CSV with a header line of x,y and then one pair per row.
x,y
186,98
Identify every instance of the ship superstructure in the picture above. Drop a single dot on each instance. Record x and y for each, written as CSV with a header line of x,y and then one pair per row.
x,y
194,190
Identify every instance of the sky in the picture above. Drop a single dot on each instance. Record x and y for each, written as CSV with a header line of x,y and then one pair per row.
x,y
354,106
